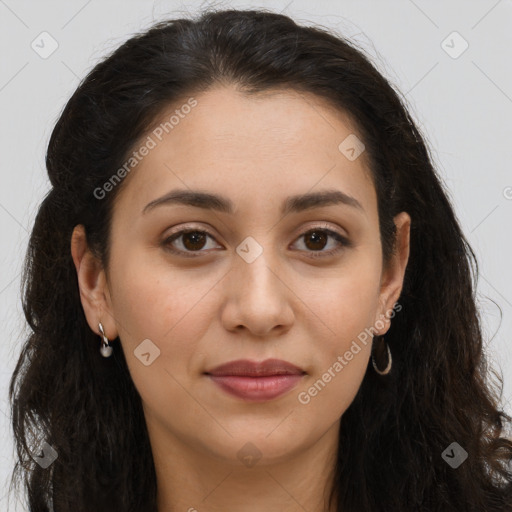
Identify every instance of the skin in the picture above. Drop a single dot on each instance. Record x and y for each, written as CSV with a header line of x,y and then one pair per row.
x,y
207,310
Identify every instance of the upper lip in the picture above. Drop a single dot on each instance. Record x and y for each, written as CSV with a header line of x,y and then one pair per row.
x,y
245,367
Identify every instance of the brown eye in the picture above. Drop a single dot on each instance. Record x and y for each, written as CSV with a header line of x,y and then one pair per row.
x,y
315,240
189,241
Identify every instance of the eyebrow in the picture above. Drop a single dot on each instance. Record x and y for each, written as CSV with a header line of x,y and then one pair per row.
x,y
296,203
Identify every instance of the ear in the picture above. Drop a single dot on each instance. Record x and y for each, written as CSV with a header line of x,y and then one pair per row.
x,y
393,275
94,293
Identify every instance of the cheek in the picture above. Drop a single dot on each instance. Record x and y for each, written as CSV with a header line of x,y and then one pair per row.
x,y
347,303
347,308
150,299
152,302
351,315
166,308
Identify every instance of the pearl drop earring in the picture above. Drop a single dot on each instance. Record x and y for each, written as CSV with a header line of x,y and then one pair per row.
x,y
105,349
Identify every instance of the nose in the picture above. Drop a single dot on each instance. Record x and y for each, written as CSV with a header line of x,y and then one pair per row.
x,y
258,298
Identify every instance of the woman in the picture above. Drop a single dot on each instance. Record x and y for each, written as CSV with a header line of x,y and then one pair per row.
x,y
249,291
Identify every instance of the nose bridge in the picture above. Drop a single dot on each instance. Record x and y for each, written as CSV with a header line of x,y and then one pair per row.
x,y
259,299
256,268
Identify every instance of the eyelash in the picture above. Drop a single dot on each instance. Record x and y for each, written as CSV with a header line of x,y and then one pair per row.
x,y
345,243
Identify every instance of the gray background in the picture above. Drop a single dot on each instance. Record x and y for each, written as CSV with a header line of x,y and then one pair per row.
x,y
462,102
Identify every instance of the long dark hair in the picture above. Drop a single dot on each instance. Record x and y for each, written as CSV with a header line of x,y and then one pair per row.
x,y
394,433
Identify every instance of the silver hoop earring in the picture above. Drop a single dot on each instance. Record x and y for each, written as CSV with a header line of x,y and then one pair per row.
x,y
388,367
105,349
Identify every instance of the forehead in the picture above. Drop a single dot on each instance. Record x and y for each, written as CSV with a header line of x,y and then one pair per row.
x,y
262,146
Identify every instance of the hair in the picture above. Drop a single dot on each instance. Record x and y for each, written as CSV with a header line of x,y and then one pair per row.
x,y
393,434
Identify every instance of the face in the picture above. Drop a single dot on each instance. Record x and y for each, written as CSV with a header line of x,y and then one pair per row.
x,y
270,269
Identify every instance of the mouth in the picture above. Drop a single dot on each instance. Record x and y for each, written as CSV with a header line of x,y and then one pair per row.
x,y
256,381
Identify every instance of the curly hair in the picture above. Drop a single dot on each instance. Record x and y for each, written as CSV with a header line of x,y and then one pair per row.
x,y
394,432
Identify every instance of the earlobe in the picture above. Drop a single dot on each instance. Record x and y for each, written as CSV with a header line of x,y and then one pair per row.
x,y
92,284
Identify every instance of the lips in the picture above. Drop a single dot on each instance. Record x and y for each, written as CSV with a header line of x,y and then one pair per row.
x,y
256,381
246,368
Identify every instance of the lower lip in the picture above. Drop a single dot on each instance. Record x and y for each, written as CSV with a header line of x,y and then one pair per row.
x,y
256,389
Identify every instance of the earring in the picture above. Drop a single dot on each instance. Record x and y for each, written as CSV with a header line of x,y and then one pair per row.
x,y
388,367
105,349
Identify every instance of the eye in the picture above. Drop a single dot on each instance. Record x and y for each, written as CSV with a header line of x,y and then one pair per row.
x,y
193,240
314,240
